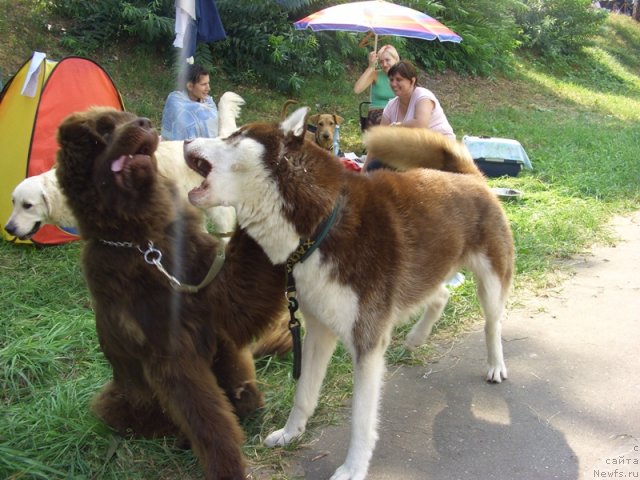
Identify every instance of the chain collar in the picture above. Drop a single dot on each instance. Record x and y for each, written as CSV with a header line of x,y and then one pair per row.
x,y
153,256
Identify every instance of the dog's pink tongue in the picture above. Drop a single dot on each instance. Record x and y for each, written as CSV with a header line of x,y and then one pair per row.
x,y
118,164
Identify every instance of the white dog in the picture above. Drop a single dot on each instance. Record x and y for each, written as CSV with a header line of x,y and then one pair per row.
x,y
37,200
365,251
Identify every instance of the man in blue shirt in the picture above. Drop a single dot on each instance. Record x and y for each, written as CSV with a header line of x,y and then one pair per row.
x,y
190,113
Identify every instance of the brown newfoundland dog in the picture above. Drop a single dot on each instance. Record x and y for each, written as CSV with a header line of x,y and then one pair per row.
x,y
181,362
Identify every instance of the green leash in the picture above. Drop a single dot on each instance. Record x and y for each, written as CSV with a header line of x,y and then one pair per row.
x,y
300,254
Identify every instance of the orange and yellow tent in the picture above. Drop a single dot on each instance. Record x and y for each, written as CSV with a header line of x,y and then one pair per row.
x,y
32,105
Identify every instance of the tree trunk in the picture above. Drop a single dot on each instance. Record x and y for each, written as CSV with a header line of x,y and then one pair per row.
x,y
636,11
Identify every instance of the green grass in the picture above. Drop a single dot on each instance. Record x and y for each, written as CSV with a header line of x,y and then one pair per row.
x,y
578,121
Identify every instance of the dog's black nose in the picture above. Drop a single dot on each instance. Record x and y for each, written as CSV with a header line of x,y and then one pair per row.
x,y
144,122
11,230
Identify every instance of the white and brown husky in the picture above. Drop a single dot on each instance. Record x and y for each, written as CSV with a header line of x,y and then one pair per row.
x,y
393,240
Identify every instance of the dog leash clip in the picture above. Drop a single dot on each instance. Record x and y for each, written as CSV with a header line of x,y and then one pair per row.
x,y
152,255
292,302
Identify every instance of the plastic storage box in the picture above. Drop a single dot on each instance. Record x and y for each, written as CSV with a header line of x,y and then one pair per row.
x,y
497,157
498,167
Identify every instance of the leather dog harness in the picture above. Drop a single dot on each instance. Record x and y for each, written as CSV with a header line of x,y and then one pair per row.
x,y
299,255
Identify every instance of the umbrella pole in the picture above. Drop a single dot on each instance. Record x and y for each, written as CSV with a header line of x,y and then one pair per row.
x,y
375,49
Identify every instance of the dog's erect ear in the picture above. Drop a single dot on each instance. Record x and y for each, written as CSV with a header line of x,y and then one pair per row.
x,y
296,122
338,119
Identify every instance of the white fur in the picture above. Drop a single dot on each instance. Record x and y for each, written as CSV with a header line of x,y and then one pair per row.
x,y
237,169
37,200
336,304
492,308
229,108
171,164
331,310
295,123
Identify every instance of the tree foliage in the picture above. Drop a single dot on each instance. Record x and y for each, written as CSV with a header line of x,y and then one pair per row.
x,y
96,24
488,30
262,44
556,28
267,49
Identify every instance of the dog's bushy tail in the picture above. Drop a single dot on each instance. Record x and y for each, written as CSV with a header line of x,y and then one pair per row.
x,y
285,107
276,341
405,148
229,108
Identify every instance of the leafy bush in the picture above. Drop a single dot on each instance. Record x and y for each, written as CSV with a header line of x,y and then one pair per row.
x,y
96,24
271,49
262,44
489,36
557,28
149,21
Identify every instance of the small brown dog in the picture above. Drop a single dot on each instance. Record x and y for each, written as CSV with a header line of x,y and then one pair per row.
x,y
321,127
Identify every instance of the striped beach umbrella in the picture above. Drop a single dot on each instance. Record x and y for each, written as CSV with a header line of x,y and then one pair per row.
x,y
379,17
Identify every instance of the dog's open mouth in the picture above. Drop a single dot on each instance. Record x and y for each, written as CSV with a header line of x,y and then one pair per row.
x,y
32,232
123,162
131,155
198,164
203,168
28,235
124,166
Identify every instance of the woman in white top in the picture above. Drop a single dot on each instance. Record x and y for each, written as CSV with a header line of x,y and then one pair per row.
x,y
413,106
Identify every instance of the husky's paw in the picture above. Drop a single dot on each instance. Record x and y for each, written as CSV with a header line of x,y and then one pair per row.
x,y
413,341
279,438
497,373
344,472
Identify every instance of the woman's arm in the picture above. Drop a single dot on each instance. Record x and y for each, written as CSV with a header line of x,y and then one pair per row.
x,y
388,115
422,117
368,76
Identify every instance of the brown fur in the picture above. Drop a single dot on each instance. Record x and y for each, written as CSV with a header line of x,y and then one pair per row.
x,y
384,142
397,238
457,213
324,123
276,341
181,361
285,107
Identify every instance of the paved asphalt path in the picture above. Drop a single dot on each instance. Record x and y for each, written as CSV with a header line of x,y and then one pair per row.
x,y
569,410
